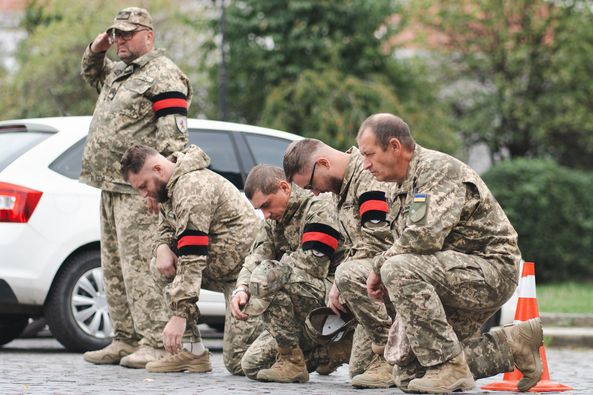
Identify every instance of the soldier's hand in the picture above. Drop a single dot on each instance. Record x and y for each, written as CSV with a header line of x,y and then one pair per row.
x,y
237,303
334,300
173,334
102,43
375,287
152,205
166,261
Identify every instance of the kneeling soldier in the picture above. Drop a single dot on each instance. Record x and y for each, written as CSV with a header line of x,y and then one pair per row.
x,y
205,230
285,275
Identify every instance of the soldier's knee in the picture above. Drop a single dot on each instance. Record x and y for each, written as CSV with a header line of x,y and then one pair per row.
x,y
249,369
399,269
233,365
350,271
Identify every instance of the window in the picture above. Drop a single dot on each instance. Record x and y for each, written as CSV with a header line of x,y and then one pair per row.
x,y
69,163
220,148
267,149
14,144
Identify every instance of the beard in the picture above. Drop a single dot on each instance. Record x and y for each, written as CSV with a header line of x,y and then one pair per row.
x,y
334,184
162,195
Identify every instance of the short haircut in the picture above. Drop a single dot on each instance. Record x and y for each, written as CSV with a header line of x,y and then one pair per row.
x,y
298,156
263,178
133,159
387,126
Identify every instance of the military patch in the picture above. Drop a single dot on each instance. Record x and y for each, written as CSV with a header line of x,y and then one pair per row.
x,y
169,103
419,208
373,207
192,242
320,238
181,122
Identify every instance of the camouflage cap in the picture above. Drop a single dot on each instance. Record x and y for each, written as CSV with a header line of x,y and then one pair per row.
x,y
130,18
267,278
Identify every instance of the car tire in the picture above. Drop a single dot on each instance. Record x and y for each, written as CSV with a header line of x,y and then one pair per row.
x,y
76,308
11,326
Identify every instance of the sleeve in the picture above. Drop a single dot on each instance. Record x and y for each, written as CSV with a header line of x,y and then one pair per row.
x,y
319,240
376,235
95,67
166,233
193,223
261,249
171,95
434,212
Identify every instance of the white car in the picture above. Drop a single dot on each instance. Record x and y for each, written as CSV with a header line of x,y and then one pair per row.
x,y
49,222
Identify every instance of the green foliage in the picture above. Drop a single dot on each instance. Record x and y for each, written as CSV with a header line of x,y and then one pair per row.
x,y
551,208
569,297
331,107
48,81
518,73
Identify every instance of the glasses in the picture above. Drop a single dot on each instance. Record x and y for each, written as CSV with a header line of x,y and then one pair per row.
x,y
309,185
126,36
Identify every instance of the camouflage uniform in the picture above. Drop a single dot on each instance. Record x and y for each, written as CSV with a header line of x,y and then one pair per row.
x,y
452,265
132,108
302,245
364,222
211,226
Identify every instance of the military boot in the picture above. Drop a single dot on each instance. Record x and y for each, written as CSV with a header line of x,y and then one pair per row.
x,y
526,339
183,361
290,367
338,353
110,355
379,374
450,376
145,354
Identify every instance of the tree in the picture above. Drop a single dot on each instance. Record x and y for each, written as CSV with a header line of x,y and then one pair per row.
x,y
519,75
48,81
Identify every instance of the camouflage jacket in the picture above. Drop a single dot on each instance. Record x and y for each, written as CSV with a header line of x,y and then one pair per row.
x,y
208,223
445,205
363,210
144,102
305,238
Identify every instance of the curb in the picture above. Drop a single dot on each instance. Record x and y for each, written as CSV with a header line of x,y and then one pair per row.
x,y
568,337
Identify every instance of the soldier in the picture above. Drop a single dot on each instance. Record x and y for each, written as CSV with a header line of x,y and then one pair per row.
x,y
205,230
363,214
452,265
142,98
285,274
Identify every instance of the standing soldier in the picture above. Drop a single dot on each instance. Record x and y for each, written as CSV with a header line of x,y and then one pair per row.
x,y
452,265
205,230
143,98
285,274
363,214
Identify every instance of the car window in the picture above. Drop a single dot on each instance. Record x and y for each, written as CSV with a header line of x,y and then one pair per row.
x,y
14,144
69,163
267,149
220,148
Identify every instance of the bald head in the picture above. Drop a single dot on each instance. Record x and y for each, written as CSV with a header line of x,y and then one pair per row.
x,y
386,126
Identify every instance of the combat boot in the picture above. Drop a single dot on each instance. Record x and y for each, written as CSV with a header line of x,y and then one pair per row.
x,y
338,353
526,339
111,354
379,374
450,376
181,362
139,358
290,367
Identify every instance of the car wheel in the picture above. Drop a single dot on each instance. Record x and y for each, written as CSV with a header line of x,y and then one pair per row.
x,y
76,309
11,326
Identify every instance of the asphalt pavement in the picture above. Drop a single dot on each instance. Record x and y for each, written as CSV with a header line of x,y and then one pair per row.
x,y
43,366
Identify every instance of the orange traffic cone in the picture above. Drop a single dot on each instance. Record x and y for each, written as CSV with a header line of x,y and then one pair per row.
x,y
527,309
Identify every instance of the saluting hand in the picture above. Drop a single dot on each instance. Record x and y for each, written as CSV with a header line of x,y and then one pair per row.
x,y
102,43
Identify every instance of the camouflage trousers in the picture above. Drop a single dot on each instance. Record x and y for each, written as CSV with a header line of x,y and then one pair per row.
x,y
136,303
443,299
372,315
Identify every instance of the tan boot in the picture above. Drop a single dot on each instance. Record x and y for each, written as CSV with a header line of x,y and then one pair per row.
x,y
290,367
379,374
450,376
526,339
181,362
142,356
111,354
338,353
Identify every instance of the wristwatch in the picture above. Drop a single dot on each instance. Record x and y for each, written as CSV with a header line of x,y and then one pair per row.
x,y
237,290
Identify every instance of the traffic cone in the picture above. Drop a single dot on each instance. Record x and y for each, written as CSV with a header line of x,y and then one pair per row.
x,y
527,309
